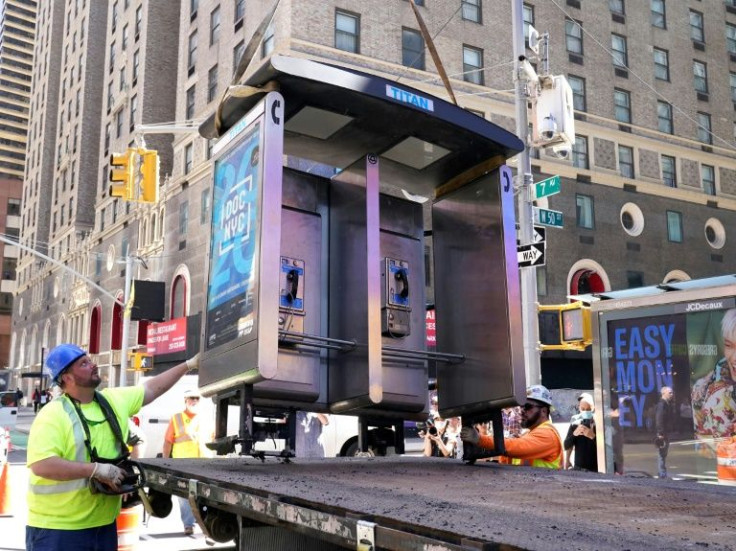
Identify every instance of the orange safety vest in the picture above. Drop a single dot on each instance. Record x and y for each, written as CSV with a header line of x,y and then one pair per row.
x,y
555,464
186,432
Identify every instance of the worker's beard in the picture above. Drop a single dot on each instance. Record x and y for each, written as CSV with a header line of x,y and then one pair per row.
x,y
92,381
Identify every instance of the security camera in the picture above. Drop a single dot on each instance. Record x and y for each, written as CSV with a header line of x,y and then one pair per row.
x,y
561,150
548,128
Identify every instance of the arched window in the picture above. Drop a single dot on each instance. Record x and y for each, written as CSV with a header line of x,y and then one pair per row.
x,y
95,326
116,337
586,281
179,297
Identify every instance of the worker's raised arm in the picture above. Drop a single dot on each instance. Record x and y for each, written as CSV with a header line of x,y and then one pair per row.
x,y
162,382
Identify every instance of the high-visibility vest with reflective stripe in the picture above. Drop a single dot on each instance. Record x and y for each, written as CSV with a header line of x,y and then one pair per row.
x,y
46,486
556,464
186,430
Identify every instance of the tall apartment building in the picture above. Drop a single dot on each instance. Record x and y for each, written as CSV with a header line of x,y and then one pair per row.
x,y
648,194
17,37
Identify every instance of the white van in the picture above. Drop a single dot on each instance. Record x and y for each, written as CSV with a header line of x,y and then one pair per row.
x,y
8,410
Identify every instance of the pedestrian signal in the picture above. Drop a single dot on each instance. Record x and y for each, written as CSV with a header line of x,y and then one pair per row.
x,y
564,326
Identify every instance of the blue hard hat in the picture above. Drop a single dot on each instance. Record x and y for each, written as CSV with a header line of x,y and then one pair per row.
x,y
62,357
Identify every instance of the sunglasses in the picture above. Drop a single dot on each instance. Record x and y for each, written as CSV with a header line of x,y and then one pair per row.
x,y
527,407
194,399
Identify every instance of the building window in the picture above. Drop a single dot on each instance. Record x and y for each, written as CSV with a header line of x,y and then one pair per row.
x,y
204,201
212,84
674,226
528,14
626,161
731,38
138,22
619,49
347,31
664,117
472,10
133,111
696,26
239,10
412,49
215,26
237,54
578,92
268,41
122,79
661,64
708,176
190,104
658,14
634,279
14,207
125,38
183,218
669,171
112,57
584,211
119,123
580,152
188,158
192,55
574,37
193,7
617,7
704,128
700,76
136,65
473,65
622,106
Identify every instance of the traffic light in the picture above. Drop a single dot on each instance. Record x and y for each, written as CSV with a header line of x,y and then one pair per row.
x,y
149,176
140,361
564,326
122,175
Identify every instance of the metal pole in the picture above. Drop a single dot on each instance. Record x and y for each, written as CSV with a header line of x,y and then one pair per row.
x,y
526,216
126,320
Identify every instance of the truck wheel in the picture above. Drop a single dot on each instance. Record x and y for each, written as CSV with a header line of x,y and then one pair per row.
x,y
354,451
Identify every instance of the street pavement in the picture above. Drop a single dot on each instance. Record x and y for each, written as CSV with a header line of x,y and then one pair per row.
x,y
155,533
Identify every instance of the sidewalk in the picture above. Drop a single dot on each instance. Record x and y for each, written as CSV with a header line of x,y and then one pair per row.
x,y
25,419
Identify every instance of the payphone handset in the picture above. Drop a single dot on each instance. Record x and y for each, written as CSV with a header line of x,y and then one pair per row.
x,y
291,295
396,318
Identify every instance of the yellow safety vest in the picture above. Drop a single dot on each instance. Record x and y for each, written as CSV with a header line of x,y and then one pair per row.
x,y
186,432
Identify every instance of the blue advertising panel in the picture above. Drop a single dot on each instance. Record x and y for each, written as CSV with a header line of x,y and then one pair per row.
x,y
231,291
689,348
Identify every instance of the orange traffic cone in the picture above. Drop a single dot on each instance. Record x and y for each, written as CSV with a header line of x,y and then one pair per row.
x,y
4,492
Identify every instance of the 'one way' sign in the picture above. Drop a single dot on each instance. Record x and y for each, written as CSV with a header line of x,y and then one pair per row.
x,y
531,255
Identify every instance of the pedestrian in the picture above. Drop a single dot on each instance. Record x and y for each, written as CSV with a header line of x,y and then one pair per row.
x,y
185,437
437,441
581,437
541,446
309,439
18,396
72,449
664,421
36,396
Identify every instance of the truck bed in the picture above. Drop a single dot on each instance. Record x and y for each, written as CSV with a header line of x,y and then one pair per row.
x,y
442,504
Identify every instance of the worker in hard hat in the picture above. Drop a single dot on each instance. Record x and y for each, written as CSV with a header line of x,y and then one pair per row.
x,y
185,437
541,446
75,447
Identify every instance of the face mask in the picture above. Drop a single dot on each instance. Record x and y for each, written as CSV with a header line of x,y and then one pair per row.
x,y
586,415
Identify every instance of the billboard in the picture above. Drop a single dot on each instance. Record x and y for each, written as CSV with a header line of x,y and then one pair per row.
x,y
688,347
231,309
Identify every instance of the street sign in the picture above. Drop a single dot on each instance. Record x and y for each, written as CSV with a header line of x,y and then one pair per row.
x,y
545,217
530,255
539,234
547,187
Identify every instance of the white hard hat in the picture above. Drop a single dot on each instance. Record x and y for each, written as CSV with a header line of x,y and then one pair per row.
x,y
540,394
586,397
192,393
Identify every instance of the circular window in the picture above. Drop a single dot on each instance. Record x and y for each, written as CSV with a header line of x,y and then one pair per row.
x,y
110,258
632,219
715,233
